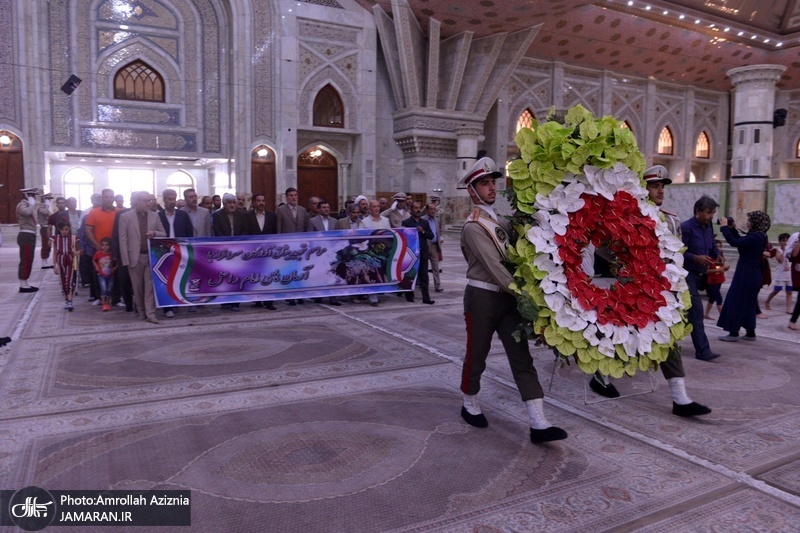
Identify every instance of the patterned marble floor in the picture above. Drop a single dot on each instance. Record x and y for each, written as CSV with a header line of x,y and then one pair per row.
x,y
315,418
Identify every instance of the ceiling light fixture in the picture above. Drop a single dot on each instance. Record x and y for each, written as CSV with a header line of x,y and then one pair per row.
x,y
779,44
647,8
740,33
665,12
766,41
5,140
630,3
682,17
726,30
697,21
753,37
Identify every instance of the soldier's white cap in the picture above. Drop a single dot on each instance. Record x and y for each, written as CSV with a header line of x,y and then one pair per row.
x,y
483,167
399,196
657,173
29,190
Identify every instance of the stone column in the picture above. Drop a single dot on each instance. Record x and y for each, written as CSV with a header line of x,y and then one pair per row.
x,y
467,138
754,103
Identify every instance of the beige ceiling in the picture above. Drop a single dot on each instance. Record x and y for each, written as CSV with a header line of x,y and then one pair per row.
x,y
712,36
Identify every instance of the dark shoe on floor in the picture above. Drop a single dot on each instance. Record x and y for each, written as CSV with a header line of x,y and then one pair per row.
x,y
691,409
478,421
429,302
258,304
270,306
710,357
439,289
28,289
729,338
334,303
374,304
547,435
609,391
291,302
4,341
748,338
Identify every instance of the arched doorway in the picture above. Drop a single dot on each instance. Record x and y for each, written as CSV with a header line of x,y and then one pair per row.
x,y
318,175
12,176
262,174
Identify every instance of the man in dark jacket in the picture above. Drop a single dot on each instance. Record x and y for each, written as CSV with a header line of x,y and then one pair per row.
x,y
425,235
262,222
229,222
176,224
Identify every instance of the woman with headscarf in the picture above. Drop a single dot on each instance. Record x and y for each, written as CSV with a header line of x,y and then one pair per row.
x,y
741,302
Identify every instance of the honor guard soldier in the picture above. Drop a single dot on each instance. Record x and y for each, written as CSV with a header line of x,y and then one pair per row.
x,y
490,306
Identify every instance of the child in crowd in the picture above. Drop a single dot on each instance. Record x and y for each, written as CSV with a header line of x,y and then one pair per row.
x,y
66,251
783,274
715,277
105,265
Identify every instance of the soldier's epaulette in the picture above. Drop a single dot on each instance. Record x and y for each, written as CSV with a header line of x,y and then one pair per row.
x,y
669,212
475,215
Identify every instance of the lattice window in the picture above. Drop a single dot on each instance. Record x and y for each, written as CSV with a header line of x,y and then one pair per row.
x,y
139,81
665,146
525,120
328,108
180,181
79,184
702,147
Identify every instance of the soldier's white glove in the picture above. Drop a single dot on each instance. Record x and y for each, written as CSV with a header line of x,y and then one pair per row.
x,y
47,203
31,201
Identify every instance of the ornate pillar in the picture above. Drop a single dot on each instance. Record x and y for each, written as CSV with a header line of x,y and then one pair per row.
x,y
751,165
467,138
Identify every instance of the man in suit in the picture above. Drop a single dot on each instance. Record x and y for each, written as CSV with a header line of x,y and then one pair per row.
x,y
292,218
176,224
352,220
323,221
425,235
135,227
435,243
200,216
262,222
228,221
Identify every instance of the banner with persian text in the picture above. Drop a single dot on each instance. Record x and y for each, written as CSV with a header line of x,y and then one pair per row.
x,y
254,268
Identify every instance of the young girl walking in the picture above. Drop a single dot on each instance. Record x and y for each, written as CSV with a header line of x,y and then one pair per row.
x,y
66,251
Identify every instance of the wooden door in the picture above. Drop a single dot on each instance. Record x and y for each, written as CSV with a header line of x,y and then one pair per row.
x,y
12,176
318,175
262,175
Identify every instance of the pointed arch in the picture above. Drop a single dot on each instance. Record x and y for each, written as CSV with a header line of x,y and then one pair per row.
x,y
525,119
79,184
139,81
666,145
179,181
702,148
328,110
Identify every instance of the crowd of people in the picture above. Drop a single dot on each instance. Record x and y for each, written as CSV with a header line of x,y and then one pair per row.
x,y
104,248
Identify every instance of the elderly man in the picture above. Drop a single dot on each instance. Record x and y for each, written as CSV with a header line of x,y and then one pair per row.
x,y
199,216
491,306
135,228
352,220
313,207
383,203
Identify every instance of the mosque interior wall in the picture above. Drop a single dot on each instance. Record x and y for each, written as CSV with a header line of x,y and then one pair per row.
x,y
240,73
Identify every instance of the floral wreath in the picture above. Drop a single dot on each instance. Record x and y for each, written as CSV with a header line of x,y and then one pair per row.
x,y
579,184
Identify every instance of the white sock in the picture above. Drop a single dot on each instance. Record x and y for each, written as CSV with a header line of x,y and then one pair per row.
x,y
678,389
23,284
536,414
471,404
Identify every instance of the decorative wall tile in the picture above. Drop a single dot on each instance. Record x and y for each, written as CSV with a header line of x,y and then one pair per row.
x,y
263,75
141,12
787,204
133,139
318,81
326,3
9,107
59,24
138,115
327,32
349,67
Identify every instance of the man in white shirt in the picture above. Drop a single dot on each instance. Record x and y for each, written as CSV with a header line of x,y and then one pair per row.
x,y
375,220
